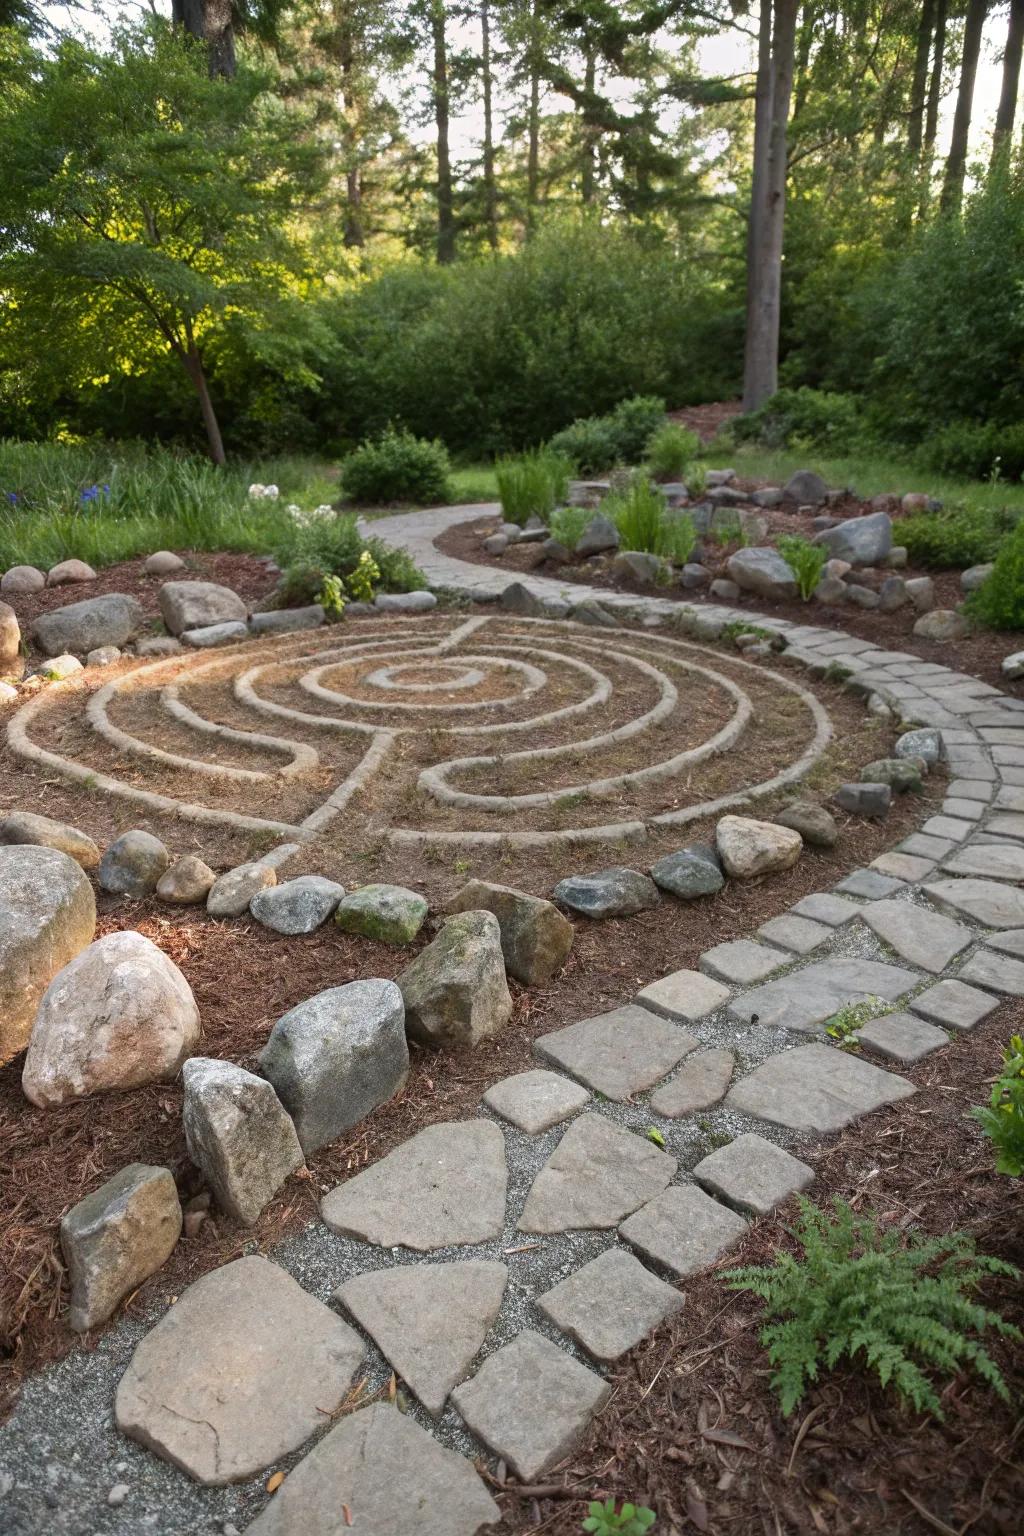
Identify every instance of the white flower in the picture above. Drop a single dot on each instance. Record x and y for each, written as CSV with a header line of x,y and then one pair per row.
x,y
256,491
271,492
293,510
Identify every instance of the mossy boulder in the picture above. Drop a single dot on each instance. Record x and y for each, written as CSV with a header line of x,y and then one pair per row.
x,y
390,913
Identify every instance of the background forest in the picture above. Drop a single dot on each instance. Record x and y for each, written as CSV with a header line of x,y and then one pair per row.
x,y
276,227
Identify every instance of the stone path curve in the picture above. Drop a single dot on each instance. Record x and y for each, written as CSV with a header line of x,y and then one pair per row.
x,y
550,1226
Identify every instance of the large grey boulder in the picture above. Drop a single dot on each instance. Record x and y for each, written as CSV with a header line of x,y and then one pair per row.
x,y
119,1015
21,580
117,1237
186,605
806,488
10,634
535,937
405,602
113,619
132,864
942,624
296,906
814,824
47,917
520,600
691,872
283,621
392,914
616,892
335,1057
238,1134
68,573
747,847
25,828
187,883
598,536
762,571
455,991
861,540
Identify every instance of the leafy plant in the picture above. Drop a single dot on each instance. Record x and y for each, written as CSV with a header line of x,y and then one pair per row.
x,y
842,1026
568,523
900,1304
639,515
331,596
634,422
602,1519
1003,1120
397,466
334,546
955,537
532,485
670,451
678,537
999,601
806,560
598,443
804,417
363,579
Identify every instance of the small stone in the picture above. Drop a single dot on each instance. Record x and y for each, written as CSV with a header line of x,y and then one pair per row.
x,y
445,1187
753,1174
692,576
597,1174
198,605
830,590
985,901
954,1004
742,961
701,1082
531,1403
215,634
119,1015
816,1088
103,656
801,935
159,645
287,621
999,973
111,620
814,823
634,565
918,935
897,558
599,535
162,562
10,635
620,1053
902,774
589,611
684,996
238,1135
117,1237
389,1474
428,1320
862,597
901,1037
233,892
683,1229
691,872
806,488
921,591
132,864
556,552
57,669
8,693
748,848
914,502
610,1304
405,602
975,577
21,580
762,571
725,591
237,1374
455,991
296,906
118,1494
925,744
822,907
496,544
870,800
615,892
518,599
47,917
805,999
337,1056
535,1101
69,573
535,937
892,594
187,883
943,624
25,828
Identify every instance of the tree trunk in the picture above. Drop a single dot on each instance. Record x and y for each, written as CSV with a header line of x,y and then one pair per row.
x,y
490,184
445,195
212,23
193,365
931,125
776,46
1007,109
533,146
919,87
354,234
956,164
588,172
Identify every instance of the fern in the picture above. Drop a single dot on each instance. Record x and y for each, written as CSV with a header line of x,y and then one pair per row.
x,y
899,1304
1003,1120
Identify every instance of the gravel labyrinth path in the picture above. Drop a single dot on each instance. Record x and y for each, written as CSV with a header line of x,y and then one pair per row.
x,y
496,1265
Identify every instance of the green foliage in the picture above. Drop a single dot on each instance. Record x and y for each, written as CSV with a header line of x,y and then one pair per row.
x,y
678,537
362,581
397,467
806,560
639,515
315,547
843,1026
977,450
803,418
956,537
999,602
331,596
568,523
631,1520
899,1304
634,422
1003,1120
531,485
597,443
670,451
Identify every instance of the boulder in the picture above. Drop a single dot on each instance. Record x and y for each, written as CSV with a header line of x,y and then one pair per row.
x,y
215,634
717,477
762,571
119,1015
769,496
335,1057
898,557
117,1237
1012,666
535,937
814,824
133,864
26,829
861,540
725,591
862,597
976,576
806,488
634,565
913,502
163,562
830,590
556,552
921,591
872,800
296,906
520,600
56,670
691,872
239,1136
599,535
69,573
747,847
692,576
925,744
159,645
615,892
902,774
10,634
496,544
455,991
391,914
21,580
285,621
405,602
189,605
232,893
103,656
942,624
892,594
113,619
47,917
187,883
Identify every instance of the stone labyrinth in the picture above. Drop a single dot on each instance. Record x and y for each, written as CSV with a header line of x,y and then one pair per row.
x,y
444,729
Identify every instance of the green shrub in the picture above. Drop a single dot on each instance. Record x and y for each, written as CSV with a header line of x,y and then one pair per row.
x,y
531,485
1003,1120
639,515
567,524
670,451
310,549
803,418
397,467
806,561
634,422
900,1304
954,538
678,537
977,450
590,444
999,603
630,1520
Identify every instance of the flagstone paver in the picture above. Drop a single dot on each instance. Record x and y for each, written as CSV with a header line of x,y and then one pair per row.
x,y
443,1187
683,1229
240,1371
753,1174
535,1101
428,1320
918,935
610,1304
685,996
1007,825
531,1402
901,1037
999,973
823,907
742,961
617,1053
597,1174
1009,943
870,884
700,1082
804,999
816,1088
986,901
993,861
903,866
954,1004
389,1475
799,934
